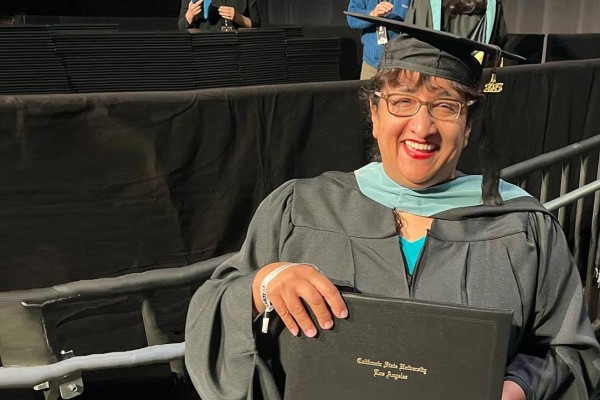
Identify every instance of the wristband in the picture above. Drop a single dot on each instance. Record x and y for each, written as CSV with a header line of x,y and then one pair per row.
x,y
263,291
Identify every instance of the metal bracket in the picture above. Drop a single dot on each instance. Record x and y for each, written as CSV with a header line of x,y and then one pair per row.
x,y
156,336
67,387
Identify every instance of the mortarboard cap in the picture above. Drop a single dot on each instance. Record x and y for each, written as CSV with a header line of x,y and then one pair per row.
x,y
434,53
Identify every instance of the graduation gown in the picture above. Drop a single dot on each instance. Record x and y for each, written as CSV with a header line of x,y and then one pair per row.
x,y
513,257
487,28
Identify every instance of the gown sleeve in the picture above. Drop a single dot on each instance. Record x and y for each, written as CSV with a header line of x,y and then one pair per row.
x,y
253,13
182,23
221,355
559,353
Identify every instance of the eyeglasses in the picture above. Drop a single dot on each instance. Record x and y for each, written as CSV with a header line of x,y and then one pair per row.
x,y
405,105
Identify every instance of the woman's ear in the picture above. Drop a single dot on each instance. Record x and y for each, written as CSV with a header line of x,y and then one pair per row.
x,y
467,134
374,118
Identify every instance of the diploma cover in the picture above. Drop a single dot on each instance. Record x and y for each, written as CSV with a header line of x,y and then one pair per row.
x,y
400,349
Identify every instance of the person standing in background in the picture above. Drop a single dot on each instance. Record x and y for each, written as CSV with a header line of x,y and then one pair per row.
x,y
7,14
479,20
375,37
213,14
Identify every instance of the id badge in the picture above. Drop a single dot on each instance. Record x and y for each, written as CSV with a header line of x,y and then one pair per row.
x,y
381,35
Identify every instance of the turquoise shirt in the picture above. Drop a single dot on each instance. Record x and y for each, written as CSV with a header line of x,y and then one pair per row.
x,y
411,252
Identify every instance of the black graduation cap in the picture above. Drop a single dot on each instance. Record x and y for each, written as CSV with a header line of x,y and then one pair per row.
x,y
434,53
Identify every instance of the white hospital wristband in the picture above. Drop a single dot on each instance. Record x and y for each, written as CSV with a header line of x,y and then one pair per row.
x,y
263,291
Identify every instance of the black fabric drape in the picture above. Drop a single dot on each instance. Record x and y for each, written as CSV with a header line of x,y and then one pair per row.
x,y
531,16
102,185
543,107
573,47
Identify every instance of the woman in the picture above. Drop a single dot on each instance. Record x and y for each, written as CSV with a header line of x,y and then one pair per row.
x,y
212,15
408,226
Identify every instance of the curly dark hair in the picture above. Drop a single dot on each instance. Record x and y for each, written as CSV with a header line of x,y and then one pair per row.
x,y
393,77
456,7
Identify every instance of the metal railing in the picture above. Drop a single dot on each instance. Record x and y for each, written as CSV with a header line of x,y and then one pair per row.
x,y
29,377
576,213
29,359
125,284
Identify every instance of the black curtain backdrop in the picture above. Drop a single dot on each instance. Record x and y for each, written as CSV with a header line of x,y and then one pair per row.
x,y
103,185
543,107
530,16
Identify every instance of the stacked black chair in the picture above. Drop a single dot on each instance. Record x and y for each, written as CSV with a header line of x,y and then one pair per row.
x,y
215,59
126,61
262,56
313,59
88,58
28,62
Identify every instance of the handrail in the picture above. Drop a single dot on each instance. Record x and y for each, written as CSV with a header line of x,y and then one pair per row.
x,y
549,158
541,168
23,377
573,195
102,287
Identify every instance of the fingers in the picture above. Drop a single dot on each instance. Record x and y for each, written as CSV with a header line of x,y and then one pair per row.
x,y
303,282
386,7
317,304
195,8
332,297
227,12
280,305
382,9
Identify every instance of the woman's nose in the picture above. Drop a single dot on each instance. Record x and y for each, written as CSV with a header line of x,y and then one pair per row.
x,y
422,123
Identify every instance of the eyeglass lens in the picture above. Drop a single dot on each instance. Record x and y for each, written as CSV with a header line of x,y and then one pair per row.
x,y
403,105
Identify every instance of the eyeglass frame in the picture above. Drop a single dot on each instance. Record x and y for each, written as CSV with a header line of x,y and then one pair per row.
x,y
463,105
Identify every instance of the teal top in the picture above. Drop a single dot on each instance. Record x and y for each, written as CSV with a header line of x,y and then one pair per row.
x,y
411,252
464,191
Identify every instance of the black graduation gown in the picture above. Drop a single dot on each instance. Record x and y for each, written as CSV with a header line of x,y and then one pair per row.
x,y
513,256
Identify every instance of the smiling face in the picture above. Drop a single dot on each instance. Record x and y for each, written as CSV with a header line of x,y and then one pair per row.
x,y
419,151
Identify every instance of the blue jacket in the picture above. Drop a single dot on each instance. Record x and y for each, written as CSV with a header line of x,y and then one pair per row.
x,y
371,50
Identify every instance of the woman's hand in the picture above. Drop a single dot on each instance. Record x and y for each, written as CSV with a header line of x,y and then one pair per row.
x,y
292,285
227,13
193,10
512,391
382,9
230,14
